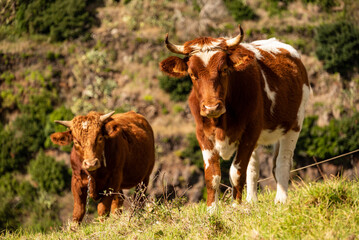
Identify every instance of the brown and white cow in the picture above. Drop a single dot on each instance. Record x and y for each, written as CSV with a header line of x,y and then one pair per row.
x,y
116,151
243,95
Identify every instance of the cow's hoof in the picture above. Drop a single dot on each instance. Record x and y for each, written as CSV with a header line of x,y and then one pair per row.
x,y
280,198
212,209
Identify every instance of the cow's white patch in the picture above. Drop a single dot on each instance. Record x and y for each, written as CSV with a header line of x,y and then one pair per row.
x,y
206,47
206,56
85,125
212,209
233,174
273,46
251,48
252,178
216,181
207,154
225,149
270,136
270,94
303,104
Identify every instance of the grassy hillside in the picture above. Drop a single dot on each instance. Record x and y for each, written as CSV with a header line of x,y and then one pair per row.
x,y
103,55
322,210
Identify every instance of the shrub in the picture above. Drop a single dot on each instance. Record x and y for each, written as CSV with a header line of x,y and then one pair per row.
x,y
337,45
193,151
60,113
240,11
178,88
326,5
51,176
45,17
339,137
13,154
276,6
16,198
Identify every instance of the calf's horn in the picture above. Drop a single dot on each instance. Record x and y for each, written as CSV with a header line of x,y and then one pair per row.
x,y
105,116
64,123
237,39
174,48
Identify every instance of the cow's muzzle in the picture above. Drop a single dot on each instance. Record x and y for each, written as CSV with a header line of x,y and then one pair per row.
x,y
213,110
91,164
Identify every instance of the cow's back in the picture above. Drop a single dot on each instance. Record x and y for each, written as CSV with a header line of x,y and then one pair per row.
x,y
138,136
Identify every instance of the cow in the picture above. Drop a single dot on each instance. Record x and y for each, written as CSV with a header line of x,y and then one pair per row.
x,y
243,95
115,152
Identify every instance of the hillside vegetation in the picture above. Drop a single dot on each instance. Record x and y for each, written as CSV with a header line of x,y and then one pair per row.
x,y
62,58
322,210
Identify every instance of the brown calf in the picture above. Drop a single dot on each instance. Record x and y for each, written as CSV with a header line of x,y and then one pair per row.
x,y
243,94
116,151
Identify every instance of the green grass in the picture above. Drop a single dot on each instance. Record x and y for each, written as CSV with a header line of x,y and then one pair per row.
x,y
322,210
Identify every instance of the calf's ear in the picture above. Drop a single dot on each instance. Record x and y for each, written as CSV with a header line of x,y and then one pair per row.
x,y
241,59
174,66
61,138
112,129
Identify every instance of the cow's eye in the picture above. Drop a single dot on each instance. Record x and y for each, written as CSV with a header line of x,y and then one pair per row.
x,y
224,71
100,138
192,76
77,144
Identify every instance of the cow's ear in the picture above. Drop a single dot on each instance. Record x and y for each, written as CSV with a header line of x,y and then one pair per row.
x,y
112,129
241,59
174,66
61,138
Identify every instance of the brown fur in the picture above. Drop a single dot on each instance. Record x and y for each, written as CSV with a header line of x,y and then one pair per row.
x,y
128,147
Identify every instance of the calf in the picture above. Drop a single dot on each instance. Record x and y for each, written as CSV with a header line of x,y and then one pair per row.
x,y
115,151
243,94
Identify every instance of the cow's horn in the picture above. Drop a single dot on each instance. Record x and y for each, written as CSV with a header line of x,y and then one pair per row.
x,y
64,123
105,116
174,48
236,40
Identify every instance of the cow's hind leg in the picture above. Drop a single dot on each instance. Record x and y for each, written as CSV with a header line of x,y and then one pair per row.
x,y
252,178
284,163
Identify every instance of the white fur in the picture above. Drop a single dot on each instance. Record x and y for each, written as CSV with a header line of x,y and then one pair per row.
x,y
206,47
284,163
207,154
273,46
225,149
303,104
251,48
85,125
233,174
212,209
268,137
270,94
252,178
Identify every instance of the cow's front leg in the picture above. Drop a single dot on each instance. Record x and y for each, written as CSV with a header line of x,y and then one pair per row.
x,y
103,208
117,202
238,169
212,174
79,193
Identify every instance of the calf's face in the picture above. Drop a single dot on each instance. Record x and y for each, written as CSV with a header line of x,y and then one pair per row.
x,y
88,134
